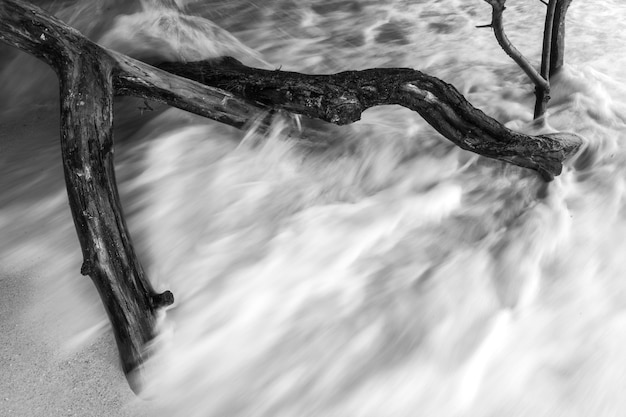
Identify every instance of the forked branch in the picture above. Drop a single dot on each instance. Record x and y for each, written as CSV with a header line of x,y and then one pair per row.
x,y
341,98
504,42
557,50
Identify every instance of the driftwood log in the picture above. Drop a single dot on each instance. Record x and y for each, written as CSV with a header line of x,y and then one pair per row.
x,y
341,98
229,92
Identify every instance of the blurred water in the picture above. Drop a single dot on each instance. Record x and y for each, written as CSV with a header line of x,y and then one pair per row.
x,y
379,272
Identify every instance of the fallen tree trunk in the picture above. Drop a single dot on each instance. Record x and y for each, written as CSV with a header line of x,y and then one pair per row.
x,y
90,75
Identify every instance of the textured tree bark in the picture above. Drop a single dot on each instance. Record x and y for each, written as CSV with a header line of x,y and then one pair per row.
x,y
138,79
90,76
341,98
86,90
553,50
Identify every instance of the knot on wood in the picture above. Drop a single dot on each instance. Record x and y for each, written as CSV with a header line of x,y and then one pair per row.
x,y
164,299
86,268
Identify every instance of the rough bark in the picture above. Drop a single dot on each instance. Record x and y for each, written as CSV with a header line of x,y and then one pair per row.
x,y
90,75
497,13
86,91
341,98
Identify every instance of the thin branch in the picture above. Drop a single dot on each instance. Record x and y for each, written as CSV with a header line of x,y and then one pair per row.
x,y
498,28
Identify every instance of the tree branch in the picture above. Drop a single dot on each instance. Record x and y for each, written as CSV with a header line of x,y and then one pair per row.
x,y
543,95
138,79
498,28
341,98
86,90
558,36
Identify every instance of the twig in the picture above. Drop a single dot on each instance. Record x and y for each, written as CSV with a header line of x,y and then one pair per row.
x,y
498,28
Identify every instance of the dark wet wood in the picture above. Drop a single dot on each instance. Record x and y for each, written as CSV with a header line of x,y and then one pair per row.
x,y
553,48
542,93
341,98
557,51
86,92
